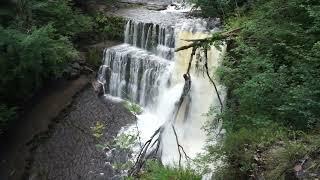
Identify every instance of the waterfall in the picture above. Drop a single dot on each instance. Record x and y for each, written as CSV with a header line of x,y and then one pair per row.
x,y
152,37
146,70
134,74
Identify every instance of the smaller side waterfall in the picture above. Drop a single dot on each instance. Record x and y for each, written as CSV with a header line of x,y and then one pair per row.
x,y
132,73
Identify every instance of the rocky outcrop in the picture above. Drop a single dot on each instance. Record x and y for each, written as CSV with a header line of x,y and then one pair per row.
x,y
77,67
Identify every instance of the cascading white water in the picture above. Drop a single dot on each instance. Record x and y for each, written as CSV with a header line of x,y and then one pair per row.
x,y
134,74
146,70
151,37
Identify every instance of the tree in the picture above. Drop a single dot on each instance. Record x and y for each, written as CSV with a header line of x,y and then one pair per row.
x,y
27,60
271,72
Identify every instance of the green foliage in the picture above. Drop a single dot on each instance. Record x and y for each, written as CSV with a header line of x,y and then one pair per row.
x,y
122,166
94,57
67,20
271,71
109,27
238,150
125,141
97,130
26,60
156,171
133,107
273,68
6,114
36,42
101,147
6,12
86,4
222,8
282,158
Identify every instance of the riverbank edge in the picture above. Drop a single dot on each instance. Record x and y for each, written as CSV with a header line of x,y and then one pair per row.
x,y
16,144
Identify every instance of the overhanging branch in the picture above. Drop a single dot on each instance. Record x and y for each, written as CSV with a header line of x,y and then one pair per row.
x,y
218,36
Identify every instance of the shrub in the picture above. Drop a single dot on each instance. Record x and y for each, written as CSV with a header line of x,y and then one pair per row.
x,y
110,27
94,57
154,170
67,20
6,115
98,130
26,60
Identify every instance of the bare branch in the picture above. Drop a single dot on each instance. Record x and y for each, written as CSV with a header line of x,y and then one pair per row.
x,y
218,36
177,140
179,147
215,87
143,156
191,58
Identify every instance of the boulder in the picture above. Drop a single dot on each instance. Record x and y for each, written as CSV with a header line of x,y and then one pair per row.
x,y
76,65
71,73
81,58
74,74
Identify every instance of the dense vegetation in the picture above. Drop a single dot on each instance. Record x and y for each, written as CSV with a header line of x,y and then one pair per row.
x,y
38,38
155,170
271,70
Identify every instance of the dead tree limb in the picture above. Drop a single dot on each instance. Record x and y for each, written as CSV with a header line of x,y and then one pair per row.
x,y
218,36
88,68
142,156
211,80
138,132
195,44
179,147
191,58
203,43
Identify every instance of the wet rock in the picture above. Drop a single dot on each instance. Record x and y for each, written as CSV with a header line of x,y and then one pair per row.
x,y
72,71
74,74
98,88
67,70
156,7
117,155
213,23
108,169
81,58
117,177
76,65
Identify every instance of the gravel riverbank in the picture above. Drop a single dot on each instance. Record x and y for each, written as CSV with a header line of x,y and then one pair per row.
x,y
55,139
